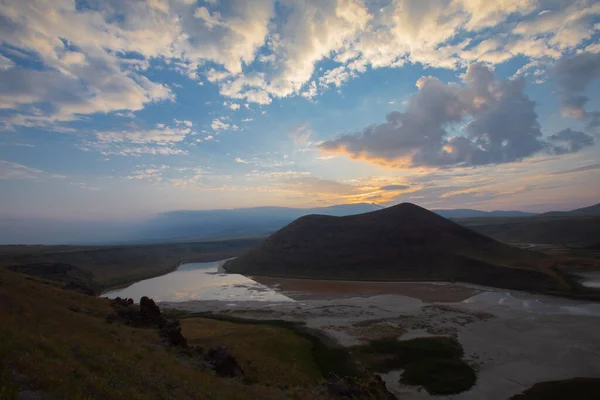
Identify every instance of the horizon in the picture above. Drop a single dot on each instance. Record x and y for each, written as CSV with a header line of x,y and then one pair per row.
x,y
119,111
150,216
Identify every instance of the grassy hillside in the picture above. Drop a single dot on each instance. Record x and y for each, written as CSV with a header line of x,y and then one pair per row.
x,y
585,211
57,344
575,231
404,242
117,265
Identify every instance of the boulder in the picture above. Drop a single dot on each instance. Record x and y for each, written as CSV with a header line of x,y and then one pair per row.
x,y
222,362
149,311
170,330
147,315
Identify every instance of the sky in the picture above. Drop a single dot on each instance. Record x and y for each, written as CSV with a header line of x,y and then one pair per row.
x,y
116,110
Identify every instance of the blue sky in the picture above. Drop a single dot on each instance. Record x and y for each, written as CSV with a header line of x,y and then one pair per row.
x,y
119,110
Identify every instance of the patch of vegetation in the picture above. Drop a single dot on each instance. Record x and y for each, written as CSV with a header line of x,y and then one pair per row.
x,y
440,376
397,354
289,363
576,388
329,358
433,362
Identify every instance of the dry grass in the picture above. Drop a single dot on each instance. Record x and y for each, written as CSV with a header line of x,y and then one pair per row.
x,y
267,354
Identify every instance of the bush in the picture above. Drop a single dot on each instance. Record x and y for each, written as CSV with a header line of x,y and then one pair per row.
x,y
440,376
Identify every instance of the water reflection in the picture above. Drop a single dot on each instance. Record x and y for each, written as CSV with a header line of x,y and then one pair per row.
x,y
199,281
590,279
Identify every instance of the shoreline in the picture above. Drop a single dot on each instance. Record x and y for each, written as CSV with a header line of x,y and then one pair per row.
x,y
126,285
513,348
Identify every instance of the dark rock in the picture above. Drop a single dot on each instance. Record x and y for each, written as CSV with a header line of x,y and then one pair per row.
x,y
171,331
149,311
147,315
222,362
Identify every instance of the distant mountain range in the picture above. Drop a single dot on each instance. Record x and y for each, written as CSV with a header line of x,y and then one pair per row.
x,y
188,225
237,222
400,243
468,213
591,211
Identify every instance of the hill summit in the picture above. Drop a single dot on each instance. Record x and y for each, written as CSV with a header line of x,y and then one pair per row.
x,y
400,243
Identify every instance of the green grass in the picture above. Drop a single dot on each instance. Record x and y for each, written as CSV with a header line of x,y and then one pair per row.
x,y
397,354
328,358
288,363
576,388
433,362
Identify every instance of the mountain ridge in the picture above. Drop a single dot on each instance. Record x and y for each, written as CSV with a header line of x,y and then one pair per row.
x,y
403,242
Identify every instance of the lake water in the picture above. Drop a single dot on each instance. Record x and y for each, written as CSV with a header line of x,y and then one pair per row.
x,y
590,279
199,281
208,281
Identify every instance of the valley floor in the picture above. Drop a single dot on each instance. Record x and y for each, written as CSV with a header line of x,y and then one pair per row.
x,y
514,339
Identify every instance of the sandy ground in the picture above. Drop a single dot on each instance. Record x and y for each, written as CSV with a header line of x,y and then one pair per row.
x,y
311,289
514,339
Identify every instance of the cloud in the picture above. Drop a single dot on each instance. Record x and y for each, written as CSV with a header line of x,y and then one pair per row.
x,y
314,185
218,124
240,161
160,134
494,122
6,63
189,124
394,187
301,135
10,170
584,168
569,141
137,141
94,55
574,75
138,151
234,106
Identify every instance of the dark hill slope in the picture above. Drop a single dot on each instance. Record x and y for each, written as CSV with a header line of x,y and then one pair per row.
x,y
404,242
567,230
580,212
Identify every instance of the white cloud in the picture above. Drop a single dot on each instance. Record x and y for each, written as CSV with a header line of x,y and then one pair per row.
x,y
89,67
6,63
187,123
160,140
218,125
159,135
234,106
11,170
